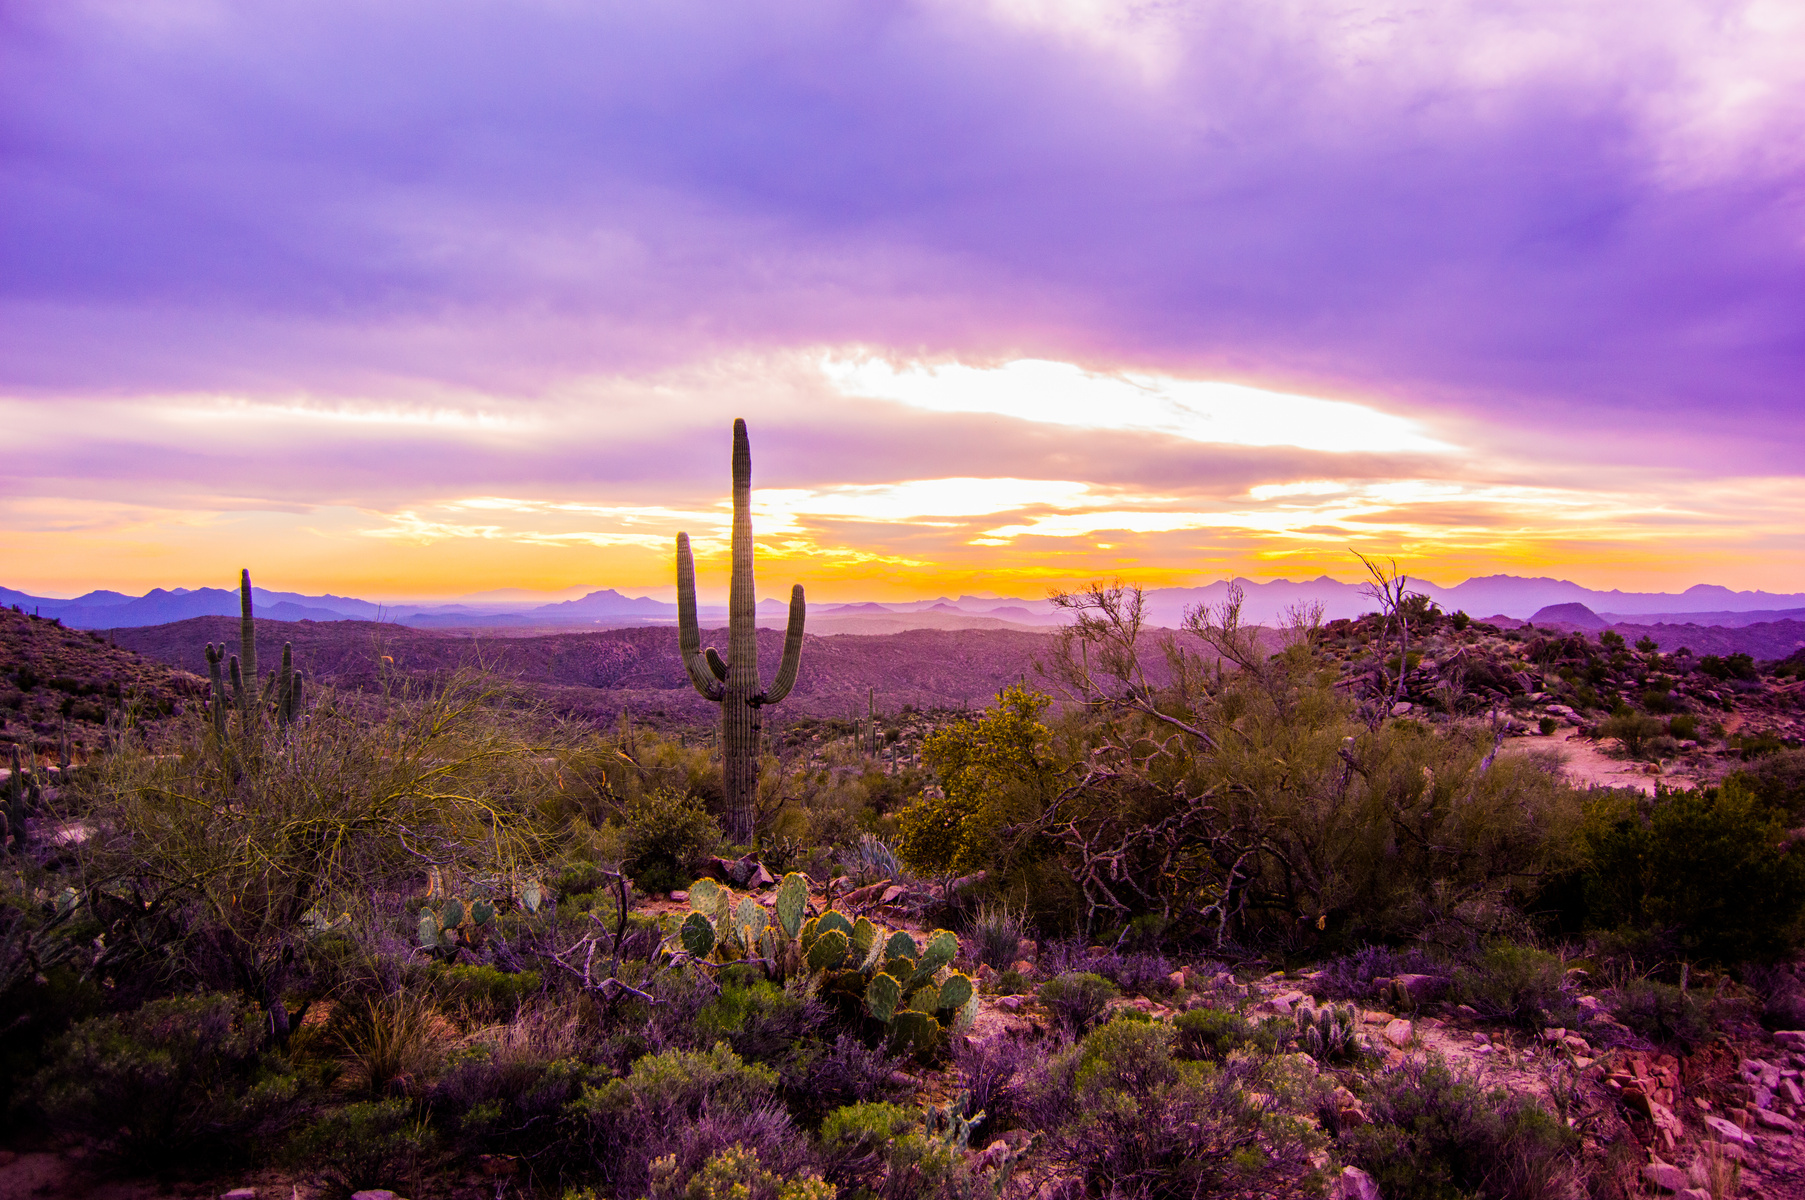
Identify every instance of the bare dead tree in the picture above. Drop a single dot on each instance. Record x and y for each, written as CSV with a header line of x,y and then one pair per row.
x,y
1390,587
1097,657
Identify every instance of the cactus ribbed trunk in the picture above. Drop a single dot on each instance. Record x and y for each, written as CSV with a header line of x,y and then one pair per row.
x,y
734,684
739,706
247,646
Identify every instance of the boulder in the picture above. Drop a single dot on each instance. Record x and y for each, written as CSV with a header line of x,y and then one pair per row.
x,y
1728,1132
1414,991
1399,1033
1354,1184
1792,1039
375,1194
1774,1120
243,1193
1666,1176
867,894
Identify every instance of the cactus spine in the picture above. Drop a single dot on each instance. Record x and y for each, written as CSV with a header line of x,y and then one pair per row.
x,y
734,684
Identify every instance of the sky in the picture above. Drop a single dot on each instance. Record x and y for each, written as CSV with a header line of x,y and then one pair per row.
x,y
418,299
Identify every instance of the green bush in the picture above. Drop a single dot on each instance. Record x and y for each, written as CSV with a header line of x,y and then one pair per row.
x,y
668,834
483,993
1662,1012
1778,781
760,1020
179,1080
1683,727
735,1173
1212,1033
1437,1135
674,1086
375,1144
1126,1055
1077,999
1712,871
864,1127
1518,984
1634,730
1120,1114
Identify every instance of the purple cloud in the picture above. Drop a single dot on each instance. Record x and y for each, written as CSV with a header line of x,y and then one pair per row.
x,y
341,198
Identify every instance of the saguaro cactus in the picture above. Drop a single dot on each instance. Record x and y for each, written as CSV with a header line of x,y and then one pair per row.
x,y
247,641
734,684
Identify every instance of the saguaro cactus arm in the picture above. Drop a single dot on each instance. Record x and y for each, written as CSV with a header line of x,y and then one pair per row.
x,y
218,687
689,635
792,651
716,663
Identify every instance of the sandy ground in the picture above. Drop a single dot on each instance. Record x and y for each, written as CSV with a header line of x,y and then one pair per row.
x,y
1587,764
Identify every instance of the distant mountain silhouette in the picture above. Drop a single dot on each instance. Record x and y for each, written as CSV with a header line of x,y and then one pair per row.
x,y
1263,602
1577,615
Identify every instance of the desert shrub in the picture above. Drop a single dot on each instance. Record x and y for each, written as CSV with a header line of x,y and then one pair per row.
x,y
866,1126
1128,1121
736,1173
1077,999
1518,984
884,1151
1778,781
1435,1134
1547,726
678,1085
1137,972
391,1043
1010,983
1633,730
690,1104
668,834
1211,1033
1683,728
1713,871
993,771
1661,1012
988,1071
222,822
483,993
373,1144
1356,976
760,1020
821,1079
179,1080
995,936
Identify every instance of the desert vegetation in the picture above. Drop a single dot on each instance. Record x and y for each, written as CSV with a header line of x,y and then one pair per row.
x,y
1229,911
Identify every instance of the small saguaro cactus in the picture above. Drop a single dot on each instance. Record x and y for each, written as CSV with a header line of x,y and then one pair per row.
x,y
283,688
247,643
734,683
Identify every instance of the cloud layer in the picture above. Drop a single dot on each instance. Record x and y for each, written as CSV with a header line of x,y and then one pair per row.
x,y
336,277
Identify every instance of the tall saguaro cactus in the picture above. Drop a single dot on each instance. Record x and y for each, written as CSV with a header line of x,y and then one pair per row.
x,y
734,684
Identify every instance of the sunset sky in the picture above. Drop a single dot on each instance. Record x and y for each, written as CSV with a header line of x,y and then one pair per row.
x,y
413,299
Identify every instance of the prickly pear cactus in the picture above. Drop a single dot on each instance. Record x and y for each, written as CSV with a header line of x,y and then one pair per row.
x,y
456,925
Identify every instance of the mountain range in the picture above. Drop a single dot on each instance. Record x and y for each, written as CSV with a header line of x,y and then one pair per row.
x,y
1501,595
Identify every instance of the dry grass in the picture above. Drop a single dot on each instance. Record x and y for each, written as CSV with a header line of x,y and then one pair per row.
x,y
392,1044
